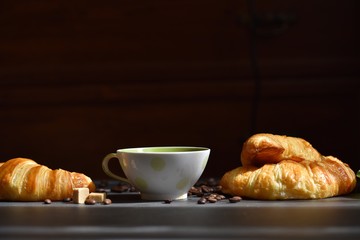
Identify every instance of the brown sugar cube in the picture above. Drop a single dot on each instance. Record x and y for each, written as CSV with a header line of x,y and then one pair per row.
x,y
80,195
98,197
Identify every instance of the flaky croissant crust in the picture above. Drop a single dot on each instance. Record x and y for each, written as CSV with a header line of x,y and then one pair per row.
x,y
23,179
281,167
266,148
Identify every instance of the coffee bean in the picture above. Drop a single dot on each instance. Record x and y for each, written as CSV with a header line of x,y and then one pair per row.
x,y
210,191
67,199
194,191
167,201
202,200
90,201
47,201
212,200
217,189
211,182
220,197
197,191
120,188
235,199
106,190
107,201
212,195
206,189
200,194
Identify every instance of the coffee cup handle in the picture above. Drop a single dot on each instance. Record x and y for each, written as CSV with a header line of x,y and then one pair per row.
x,y
105,166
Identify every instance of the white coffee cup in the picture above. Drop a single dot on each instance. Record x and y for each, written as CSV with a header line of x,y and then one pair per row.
x,y
160,173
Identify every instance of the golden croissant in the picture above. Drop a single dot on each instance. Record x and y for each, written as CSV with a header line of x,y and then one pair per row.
x,y
281,167
23,179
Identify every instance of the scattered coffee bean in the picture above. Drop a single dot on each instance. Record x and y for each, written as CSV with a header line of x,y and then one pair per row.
x,y
90,201
212,200
235,199
107,201
167,201
212,195
200,194
206,189
103,190
211,182
193,191
210,191
202,200
47,201
197,191
120,188
67,199
220,197
217,189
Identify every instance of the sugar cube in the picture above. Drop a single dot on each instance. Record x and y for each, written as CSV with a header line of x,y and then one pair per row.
x,y
80,195
98,197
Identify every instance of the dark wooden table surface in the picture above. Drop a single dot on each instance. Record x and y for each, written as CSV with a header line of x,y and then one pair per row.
x,y
128,217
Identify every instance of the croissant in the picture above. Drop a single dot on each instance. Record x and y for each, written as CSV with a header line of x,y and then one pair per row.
x,y
268,148
281,167
23,179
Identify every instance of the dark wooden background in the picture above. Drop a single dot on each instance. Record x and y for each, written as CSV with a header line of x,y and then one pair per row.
x,y
80,79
